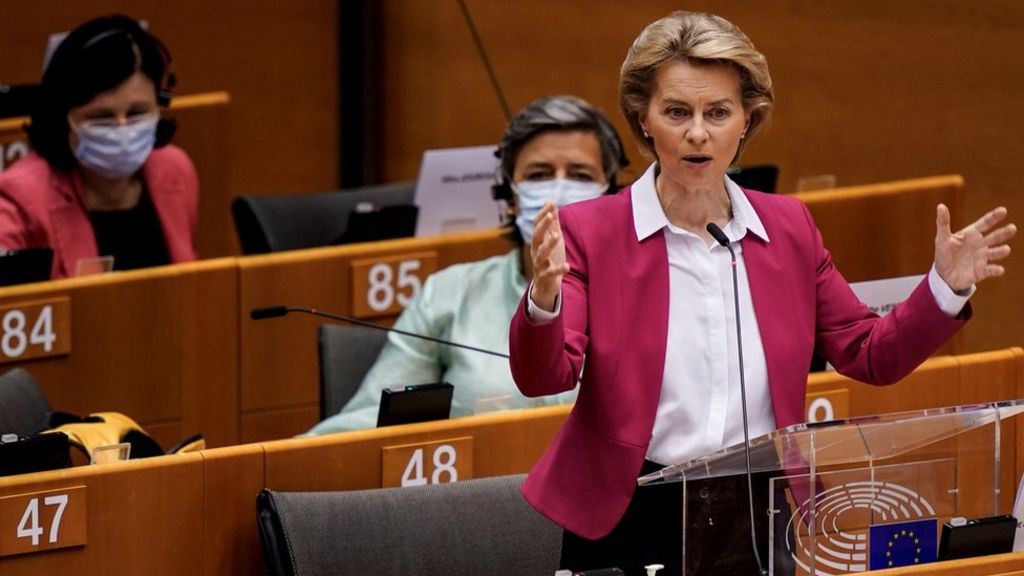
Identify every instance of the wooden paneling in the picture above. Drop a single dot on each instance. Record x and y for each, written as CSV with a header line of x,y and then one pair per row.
x,y
504,443
232,478
156,344
900,216
195,513
999,565
203,133
144,517
278,60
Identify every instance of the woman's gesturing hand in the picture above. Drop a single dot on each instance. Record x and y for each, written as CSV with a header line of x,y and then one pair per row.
x,y
969,256
547,251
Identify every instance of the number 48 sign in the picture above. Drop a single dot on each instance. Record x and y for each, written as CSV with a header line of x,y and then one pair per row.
x,y
437,462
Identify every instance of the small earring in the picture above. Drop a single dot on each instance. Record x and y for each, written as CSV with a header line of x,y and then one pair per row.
x,y
646,135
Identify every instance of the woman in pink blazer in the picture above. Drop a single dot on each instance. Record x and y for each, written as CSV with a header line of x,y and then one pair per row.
x,y
633,298
101,180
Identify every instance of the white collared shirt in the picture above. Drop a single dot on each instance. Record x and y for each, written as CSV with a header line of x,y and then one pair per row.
x,y
700,408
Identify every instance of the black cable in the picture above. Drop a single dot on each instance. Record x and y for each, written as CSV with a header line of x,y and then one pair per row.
x,y
487,61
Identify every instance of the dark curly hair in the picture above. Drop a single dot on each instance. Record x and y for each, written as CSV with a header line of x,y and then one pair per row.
x,y
95,57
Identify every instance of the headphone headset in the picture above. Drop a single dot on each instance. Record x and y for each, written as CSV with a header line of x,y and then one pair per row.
x,y
165,92
606,135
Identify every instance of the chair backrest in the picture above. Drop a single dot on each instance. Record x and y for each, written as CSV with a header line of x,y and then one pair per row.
x,y
471,528
760,177
346,355
24,409
276,223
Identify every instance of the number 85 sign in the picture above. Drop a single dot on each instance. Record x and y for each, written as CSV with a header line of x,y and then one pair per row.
x,y
386,285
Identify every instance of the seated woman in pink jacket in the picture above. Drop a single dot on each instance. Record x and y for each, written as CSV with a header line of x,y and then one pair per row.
x,y
632,292
101,180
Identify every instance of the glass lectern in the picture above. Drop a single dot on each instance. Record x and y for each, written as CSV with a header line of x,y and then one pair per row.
x,y
881,486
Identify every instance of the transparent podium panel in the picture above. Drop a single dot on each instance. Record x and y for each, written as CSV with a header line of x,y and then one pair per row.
x,y
848,496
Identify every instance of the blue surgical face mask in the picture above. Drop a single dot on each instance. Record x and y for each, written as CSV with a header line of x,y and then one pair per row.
x,y
532,194
117,151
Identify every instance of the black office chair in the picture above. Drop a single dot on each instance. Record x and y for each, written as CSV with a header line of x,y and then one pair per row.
x,y
275,223
346,355
24,409
471,527
760,177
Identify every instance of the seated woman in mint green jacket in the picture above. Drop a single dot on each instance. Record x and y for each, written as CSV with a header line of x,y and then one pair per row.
x,y
559,148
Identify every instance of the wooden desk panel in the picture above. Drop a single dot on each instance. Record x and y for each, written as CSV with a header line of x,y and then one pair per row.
x,y
156,344
884,230
279,363
232,477
210,503
998,565
203,133
934,383
887,230
144,517
504,443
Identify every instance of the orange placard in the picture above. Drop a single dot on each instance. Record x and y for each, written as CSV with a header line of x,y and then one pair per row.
x,y
830,405
42,521
35,329
384,286
437,462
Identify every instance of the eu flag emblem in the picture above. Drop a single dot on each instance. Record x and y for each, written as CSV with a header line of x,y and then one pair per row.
x,y
903,543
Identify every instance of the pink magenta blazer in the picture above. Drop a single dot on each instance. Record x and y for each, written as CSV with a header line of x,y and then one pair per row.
x,y
40,207
615,309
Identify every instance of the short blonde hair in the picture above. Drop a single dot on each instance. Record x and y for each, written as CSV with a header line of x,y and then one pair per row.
x,y
698,38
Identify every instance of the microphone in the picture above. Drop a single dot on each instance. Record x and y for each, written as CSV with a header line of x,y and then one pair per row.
x,y
276,311
723,240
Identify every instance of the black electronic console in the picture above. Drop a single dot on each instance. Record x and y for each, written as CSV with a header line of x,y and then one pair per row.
x,y
418,403
963,538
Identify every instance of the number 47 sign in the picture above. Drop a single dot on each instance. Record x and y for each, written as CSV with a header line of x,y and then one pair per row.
x,y
42,521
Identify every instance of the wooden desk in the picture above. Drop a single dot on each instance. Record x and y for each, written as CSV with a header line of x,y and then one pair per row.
x,y
158,344
143,517
170,508
278,369
884,230
887,230
203,132
998,565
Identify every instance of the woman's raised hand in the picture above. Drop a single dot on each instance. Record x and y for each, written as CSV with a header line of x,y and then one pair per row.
x,y
547,251
969,256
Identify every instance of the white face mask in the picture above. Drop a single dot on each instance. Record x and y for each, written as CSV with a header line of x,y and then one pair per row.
x,y
116,152
532,194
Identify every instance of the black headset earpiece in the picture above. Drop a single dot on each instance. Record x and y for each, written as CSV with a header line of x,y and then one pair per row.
x,y
502,189
166,91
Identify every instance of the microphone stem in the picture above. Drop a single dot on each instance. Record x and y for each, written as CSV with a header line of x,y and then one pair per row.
x,y
358,322
743,400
